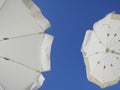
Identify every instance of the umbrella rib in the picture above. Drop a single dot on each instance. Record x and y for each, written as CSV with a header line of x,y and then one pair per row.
x,y
117,49
97,64
103,76
95,54
118,53
7,59
3,4
25,65
2,86
117,58
114,73
104,69
99,39
21,36
107,35
115,43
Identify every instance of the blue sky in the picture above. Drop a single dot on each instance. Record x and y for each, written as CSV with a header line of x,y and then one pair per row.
x,y
70,19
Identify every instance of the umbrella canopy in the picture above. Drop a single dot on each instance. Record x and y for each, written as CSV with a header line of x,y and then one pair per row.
x,y
101,51
17,77
20,17
31,50
24,47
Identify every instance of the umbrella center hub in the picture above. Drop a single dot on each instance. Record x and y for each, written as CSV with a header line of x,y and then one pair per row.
x,y
110,51
107,50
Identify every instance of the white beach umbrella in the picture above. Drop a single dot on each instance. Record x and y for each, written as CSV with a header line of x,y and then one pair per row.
x,y
101,51
24,47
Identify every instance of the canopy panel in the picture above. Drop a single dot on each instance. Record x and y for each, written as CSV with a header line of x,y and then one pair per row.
x,y
17,77
16,19
31,50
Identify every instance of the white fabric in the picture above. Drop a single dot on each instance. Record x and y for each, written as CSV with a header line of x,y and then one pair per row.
x,y
17,19
24,47
101,51
2,3
33,50
16,77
